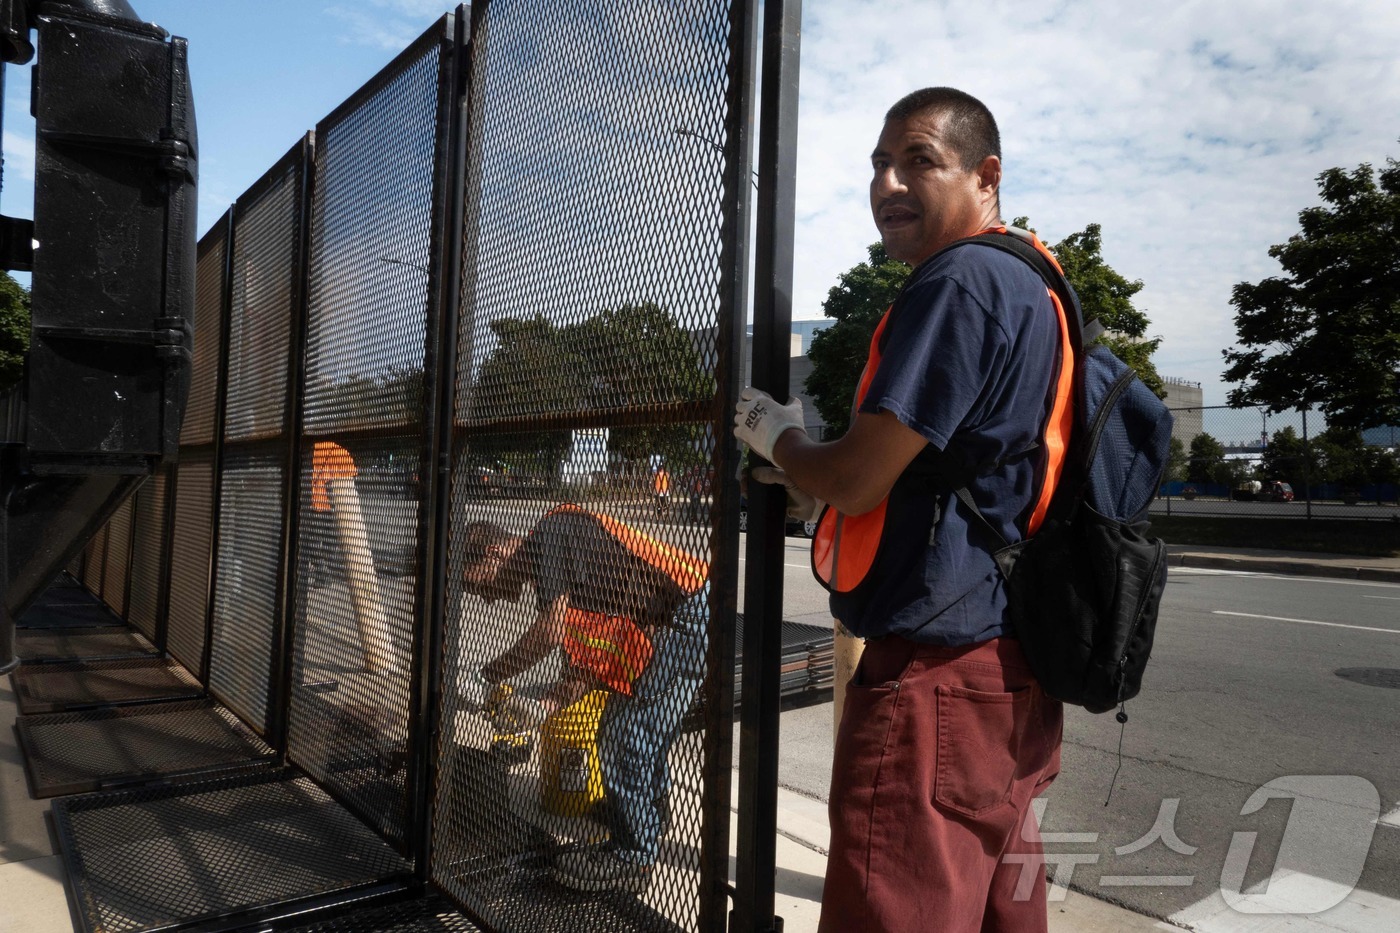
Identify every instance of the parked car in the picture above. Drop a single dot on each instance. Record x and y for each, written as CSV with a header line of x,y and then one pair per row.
x,y
1279,492
793,527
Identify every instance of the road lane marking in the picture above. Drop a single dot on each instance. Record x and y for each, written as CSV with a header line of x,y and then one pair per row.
x,y
1369,596
1391,819
1359,628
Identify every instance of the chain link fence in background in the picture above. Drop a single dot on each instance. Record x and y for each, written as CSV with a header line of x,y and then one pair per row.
x,y
1250,462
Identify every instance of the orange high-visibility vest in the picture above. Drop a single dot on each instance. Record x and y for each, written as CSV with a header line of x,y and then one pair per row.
x,y
844,546
328,461
614,648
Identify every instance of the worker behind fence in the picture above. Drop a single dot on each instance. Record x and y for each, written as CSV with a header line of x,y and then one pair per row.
x,y
631,615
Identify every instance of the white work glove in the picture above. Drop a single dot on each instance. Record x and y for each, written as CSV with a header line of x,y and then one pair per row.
x,y
515,713
474,691
759,420
802,506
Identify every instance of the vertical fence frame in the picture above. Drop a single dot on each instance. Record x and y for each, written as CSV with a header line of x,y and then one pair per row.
x,y
251,200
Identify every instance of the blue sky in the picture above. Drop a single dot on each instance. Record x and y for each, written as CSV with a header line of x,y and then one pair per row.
x,y
1192,133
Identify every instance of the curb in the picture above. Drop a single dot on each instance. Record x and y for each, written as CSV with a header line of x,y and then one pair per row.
x,y
1297,568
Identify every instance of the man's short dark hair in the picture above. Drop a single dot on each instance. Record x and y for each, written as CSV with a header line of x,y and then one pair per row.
x,y
971,129
479,537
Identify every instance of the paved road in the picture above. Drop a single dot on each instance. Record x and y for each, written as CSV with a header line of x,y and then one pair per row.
x,y
1242,691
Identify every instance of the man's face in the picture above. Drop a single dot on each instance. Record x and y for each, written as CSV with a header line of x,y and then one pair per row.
x,y
921,196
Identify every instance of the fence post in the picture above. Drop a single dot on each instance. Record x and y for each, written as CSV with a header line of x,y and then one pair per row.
x,y
1307,459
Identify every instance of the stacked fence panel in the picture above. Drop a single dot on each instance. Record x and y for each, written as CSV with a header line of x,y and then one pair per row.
x,y
588,371
148,556
257,441
192,538
95,562
114,571
359,598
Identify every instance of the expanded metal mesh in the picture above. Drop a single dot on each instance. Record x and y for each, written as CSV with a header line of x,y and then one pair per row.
x,y
590,378
246,590
147,859
429,915
69,753
200,409
118,556
95,562
53,688
252,517
190,556
81,609
378,174
81,644
148,556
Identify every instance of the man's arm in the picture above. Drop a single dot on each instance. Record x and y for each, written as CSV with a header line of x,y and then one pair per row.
x,y
855,473
543,635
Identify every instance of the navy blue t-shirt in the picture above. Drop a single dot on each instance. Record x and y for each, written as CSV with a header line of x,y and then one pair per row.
x,y
969,356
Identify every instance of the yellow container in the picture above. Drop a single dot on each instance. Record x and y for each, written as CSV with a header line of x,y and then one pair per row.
x,y
571,778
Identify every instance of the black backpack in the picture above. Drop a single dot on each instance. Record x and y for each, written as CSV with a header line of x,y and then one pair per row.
x,y
1083,591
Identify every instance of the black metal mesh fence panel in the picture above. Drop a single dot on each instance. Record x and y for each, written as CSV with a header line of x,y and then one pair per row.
x,y
247,581
118,557
570,796
193,500
94,562
245,593
200,409
379,165
148,556
190,556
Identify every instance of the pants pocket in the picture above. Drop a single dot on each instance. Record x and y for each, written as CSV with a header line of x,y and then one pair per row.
x,y
979,746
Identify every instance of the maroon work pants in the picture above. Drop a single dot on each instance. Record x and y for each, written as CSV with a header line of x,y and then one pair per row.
x,y
938,757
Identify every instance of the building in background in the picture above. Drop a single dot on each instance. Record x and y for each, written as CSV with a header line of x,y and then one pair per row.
x,y
1184,398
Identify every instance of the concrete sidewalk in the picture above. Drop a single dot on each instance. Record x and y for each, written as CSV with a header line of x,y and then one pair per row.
x,y
1302,563
802,843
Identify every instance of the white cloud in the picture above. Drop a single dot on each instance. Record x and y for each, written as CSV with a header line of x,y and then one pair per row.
x,y
387,24
1192,133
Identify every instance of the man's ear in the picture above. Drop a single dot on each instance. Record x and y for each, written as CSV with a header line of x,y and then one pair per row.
x,y
989,175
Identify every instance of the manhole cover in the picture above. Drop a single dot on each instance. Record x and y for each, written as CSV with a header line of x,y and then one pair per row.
x,y
1372,676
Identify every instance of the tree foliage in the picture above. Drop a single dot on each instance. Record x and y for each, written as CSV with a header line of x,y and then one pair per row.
x,y
1327,333
862,294
1207,460
628,358
838,352
1106,296
14,330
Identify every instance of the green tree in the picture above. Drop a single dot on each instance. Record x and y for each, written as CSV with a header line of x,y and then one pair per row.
x,y
1327,333
1177,461
862,294
1343,458
530,372
1287,458
838,352
1207,459
635,358
14,330
1106,296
